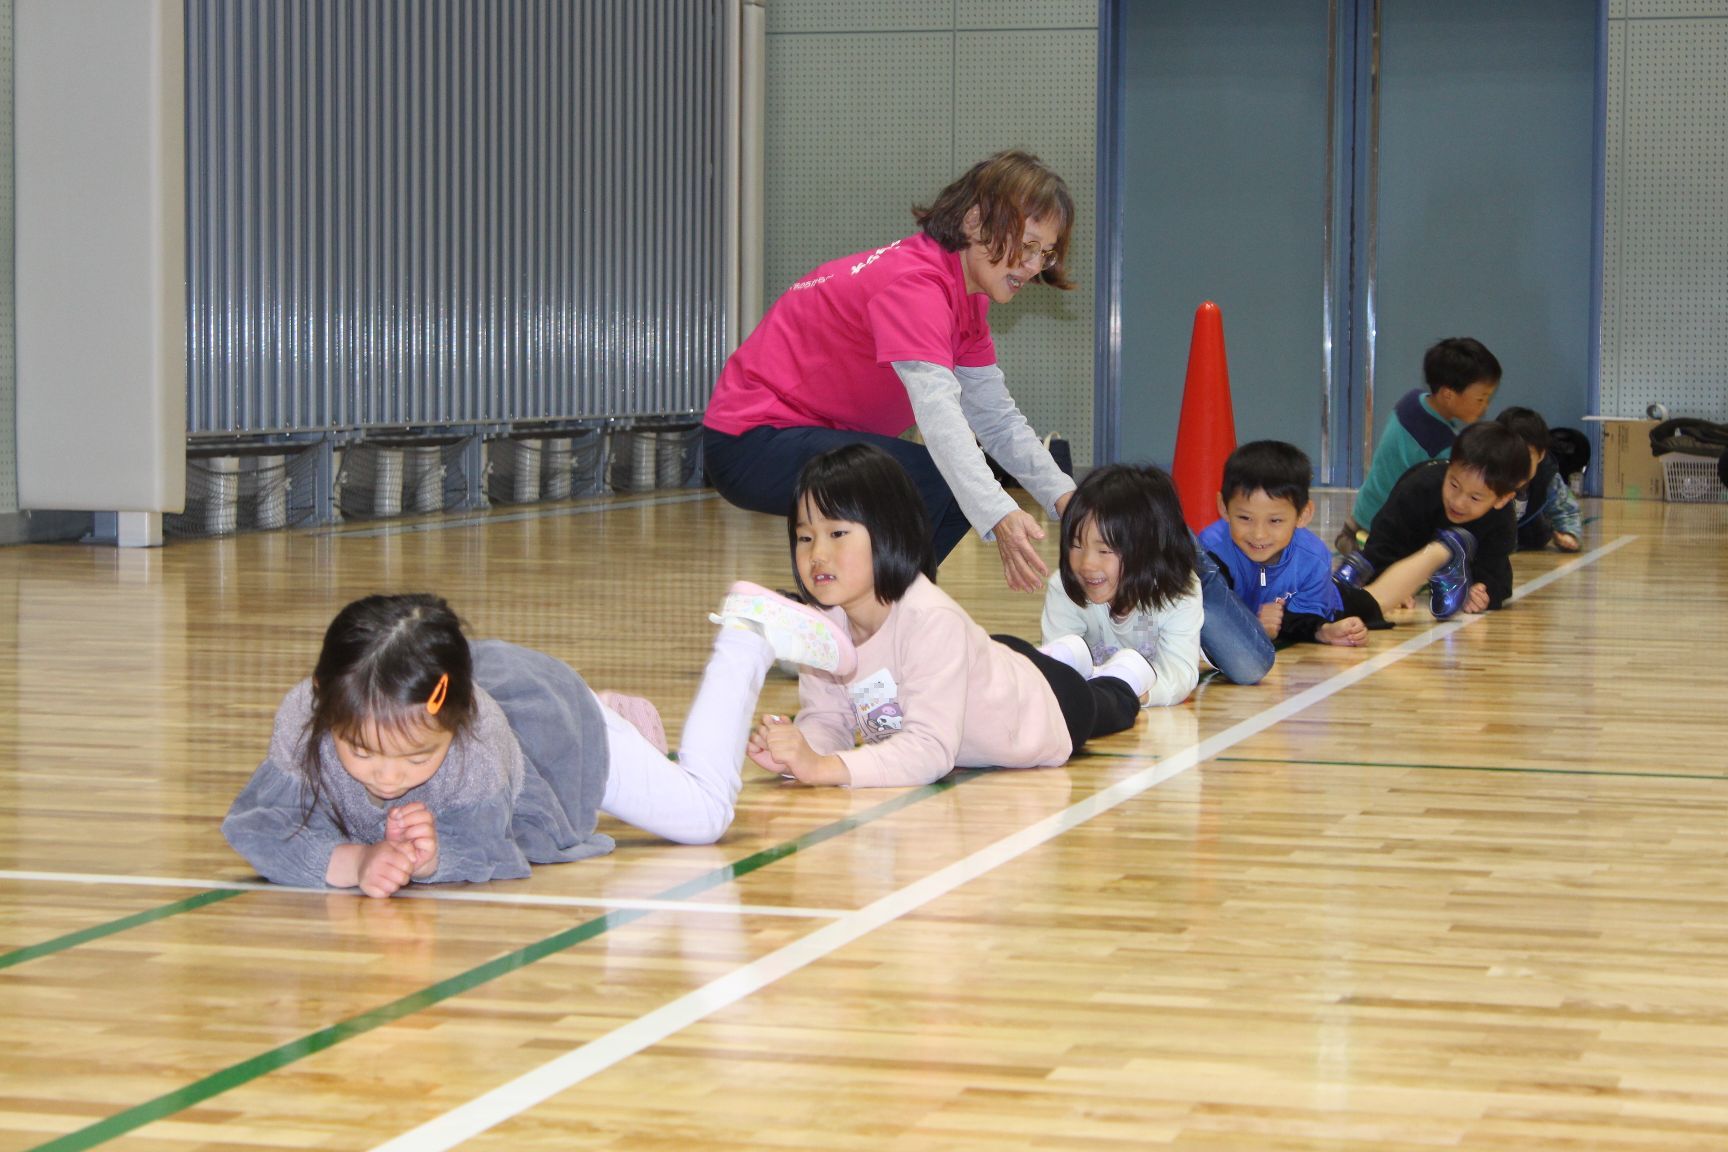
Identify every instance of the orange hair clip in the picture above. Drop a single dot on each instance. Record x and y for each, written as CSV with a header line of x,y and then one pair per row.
x,y
436,700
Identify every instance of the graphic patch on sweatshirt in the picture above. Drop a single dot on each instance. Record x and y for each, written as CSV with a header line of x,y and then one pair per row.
x,y
875,706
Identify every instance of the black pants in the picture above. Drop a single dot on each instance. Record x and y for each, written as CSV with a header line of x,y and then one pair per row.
x,y
758,470
1535,535
1090,708
1361,602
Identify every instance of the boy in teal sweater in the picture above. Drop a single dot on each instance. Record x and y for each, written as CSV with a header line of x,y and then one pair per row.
x,y
1461,376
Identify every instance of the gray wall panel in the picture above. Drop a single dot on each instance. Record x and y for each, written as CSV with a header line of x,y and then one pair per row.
x,y
1486,167
858,130
1665,244
1003,14
1224,199
427,212
825,16
874,106
1045,339
8,301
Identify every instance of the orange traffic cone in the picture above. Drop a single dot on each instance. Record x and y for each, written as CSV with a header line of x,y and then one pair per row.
x,y
1206,435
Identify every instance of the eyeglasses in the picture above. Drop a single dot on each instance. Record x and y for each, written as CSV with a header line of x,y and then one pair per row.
x,y
1030,253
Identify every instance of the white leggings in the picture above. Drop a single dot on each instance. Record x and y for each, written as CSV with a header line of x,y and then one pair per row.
x,y
689,801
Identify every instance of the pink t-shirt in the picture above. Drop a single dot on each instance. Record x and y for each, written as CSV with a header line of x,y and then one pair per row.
x,y
822,355
932,692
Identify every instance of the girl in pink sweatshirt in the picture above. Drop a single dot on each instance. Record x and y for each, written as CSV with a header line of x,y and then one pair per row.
x,y
930,691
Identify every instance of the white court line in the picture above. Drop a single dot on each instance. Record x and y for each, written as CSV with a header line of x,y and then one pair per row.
x,y
531,1088
466,897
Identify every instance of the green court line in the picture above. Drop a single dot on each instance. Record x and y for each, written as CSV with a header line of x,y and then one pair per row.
x,y
84,936
251,1069
1472,768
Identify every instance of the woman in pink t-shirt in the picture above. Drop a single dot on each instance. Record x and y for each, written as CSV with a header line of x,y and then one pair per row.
x,y
927,690
864,347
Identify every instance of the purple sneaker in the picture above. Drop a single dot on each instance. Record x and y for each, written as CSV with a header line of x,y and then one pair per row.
x,y
1355,570
1451,584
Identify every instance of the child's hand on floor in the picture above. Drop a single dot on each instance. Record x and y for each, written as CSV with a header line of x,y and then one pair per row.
x,y
1477,600
413,827
1566,542
786,745
1272,617
385,867
1349,632
757,748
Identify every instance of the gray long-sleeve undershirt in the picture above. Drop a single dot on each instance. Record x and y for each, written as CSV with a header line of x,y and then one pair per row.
x,y
957,410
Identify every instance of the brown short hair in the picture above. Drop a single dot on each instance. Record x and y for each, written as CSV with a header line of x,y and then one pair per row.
x,y
1008,189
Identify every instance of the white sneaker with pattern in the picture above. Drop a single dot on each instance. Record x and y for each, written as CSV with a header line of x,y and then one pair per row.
x,y
796,632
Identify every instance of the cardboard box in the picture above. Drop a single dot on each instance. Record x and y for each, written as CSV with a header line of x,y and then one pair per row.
x,y
1629,471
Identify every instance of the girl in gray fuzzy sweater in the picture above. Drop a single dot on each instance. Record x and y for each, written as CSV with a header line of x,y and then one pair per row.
x,y
412,756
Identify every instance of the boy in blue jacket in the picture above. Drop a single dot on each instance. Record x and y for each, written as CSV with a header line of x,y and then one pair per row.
x,y
1274,564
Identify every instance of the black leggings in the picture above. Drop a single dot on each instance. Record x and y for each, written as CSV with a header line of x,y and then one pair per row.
x,y
1095,707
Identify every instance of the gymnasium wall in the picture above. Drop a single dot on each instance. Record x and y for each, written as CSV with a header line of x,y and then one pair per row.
x,y
405,214
875,105
1665,236
872,106
8,375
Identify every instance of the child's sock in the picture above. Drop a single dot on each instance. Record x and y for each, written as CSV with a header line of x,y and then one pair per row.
x,y
1129,666
1072,651
641,713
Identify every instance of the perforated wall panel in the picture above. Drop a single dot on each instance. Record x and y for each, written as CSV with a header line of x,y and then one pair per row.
x,y
874,106
825,16
1670,9
1045,340
1004,14
859,129
1665,282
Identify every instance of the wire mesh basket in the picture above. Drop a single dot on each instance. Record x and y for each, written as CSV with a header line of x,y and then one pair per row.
x,y
377,479
1692,479
646,459
570,465
676,455
245,491
513,470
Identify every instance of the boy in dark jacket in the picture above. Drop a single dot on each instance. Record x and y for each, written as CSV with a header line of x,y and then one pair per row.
x,y
1461,506
1461,376
1547,513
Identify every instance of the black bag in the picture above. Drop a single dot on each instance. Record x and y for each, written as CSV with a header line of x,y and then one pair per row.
x,y
1689,435
1570,449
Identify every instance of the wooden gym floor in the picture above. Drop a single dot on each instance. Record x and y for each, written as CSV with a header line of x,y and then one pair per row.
x,y
1464,890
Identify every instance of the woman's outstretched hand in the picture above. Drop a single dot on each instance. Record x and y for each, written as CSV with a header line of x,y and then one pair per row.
x,y
1017,536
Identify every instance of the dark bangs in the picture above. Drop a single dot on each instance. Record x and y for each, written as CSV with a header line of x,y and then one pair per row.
x,y
363,714
1139,516
1497,452
863,484
1271,466
1528,424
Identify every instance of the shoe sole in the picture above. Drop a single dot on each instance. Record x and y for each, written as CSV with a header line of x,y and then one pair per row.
x,y
795,631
